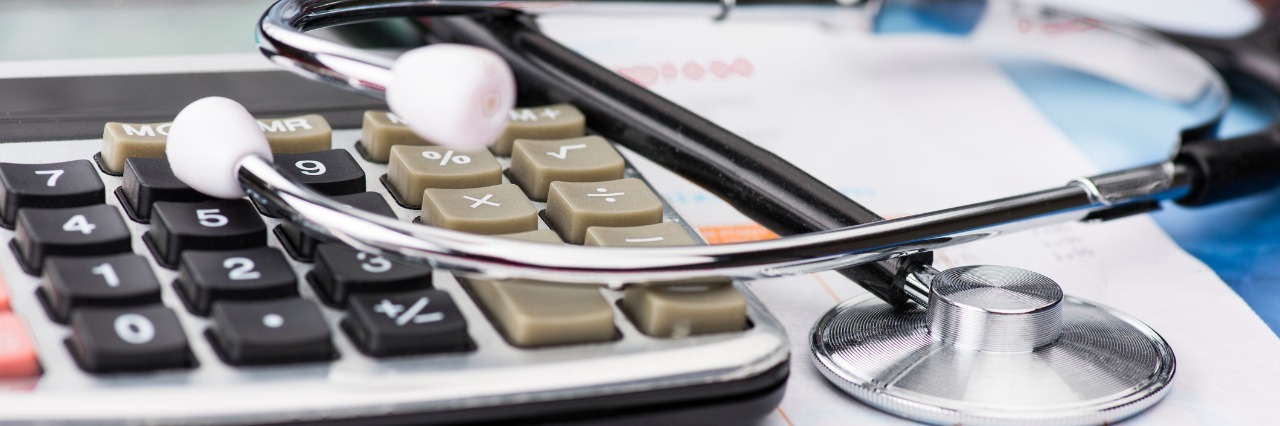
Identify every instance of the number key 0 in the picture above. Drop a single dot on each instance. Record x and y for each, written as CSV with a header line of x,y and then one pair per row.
x,y
214,225
69,184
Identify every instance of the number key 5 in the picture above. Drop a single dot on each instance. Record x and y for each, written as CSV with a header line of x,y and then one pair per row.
x,y
69,184
214,225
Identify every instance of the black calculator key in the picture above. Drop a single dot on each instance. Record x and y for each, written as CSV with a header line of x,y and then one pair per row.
x,y
54,185
303,247
213,225
128,339
101,281
341,271
77,231
270,332
332,172
147,180
406,323
257,273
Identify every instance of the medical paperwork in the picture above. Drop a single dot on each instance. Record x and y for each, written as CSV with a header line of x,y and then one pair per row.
x,y
912,124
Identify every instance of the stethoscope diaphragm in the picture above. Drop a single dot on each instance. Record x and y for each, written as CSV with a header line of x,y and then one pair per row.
x,y
997,345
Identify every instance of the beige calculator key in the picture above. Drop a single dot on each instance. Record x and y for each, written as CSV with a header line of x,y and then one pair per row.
x,y
288,135
529,313
382,130
124,140
292,135
537,163
666,234
680,310
558,121
674,310
413,169
498,209
572,207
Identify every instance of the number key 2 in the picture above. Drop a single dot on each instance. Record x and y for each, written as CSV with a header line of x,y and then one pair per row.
x,y
214,225
79,231
257,273
55,185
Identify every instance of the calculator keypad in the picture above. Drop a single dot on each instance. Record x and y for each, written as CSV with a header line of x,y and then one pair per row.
x,y
112,306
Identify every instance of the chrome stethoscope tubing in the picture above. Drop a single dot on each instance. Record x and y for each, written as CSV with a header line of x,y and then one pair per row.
x,y
282,35
1081,199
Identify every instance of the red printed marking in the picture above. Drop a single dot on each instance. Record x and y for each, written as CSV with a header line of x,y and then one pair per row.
x,y
726,234
649,75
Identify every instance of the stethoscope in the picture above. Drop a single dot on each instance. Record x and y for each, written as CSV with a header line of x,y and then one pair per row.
x,y
458,92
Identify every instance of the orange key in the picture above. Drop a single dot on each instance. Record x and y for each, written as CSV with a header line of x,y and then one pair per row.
x,y
17,351
4,294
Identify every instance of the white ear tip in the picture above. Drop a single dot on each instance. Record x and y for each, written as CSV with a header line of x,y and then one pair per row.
x,y
452,95
207,141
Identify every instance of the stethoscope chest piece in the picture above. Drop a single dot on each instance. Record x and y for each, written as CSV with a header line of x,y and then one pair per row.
x,y
997,345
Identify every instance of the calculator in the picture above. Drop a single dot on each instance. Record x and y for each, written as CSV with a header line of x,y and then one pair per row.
x,y
128,297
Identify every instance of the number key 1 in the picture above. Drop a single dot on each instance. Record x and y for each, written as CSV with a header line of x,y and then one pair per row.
x,y
68,184
119,280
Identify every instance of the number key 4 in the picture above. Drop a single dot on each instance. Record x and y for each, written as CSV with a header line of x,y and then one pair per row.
x,y
79,231
55,185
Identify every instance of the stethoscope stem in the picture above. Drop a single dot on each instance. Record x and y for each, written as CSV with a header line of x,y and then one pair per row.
x,y
1097,197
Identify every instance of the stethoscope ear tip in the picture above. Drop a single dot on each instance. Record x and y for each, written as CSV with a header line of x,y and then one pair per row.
x,y
452,95
208,140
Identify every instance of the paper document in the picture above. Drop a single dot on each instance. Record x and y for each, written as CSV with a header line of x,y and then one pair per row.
x,y
909,125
